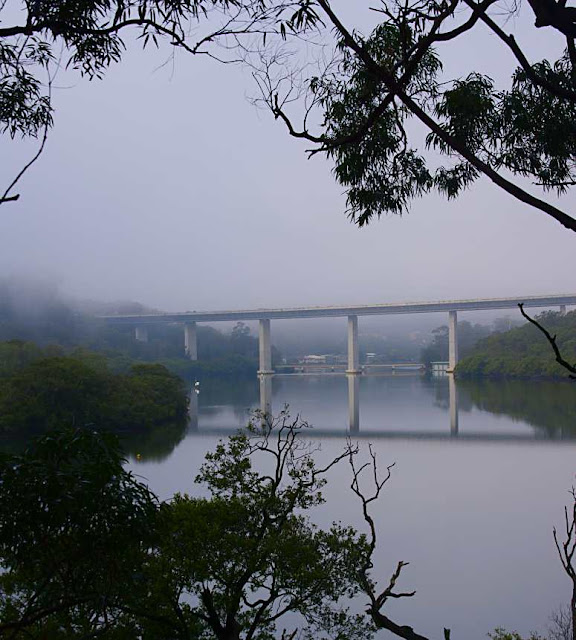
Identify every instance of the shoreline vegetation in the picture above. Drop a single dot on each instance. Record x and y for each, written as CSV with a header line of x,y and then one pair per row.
x,y
44,388
523,352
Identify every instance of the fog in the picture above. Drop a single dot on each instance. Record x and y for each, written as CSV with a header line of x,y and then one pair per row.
x,y
168,187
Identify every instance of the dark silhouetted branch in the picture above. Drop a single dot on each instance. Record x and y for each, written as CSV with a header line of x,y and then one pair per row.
x,y
393,86
566,551
377,601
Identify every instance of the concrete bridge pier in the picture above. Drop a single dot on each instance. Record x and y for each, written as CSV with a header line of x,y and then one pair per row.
x,y
265,348
353,351
190,341
141,333
452,340
353,403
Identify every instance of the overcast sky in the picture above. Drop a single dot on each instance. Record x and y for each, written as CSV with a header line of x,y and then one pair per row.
x,y
173,190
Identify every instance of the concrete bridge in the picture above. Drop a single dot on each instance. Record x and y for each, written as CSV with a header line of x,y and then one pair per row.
x,y
189,319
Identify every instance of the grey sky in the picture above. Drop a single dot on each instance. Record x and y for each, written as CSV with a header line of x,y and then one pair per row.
x,y
173,190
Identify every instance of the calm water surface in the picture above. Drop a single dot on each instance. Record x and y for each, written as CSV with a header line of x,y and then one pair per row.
x,y
471,508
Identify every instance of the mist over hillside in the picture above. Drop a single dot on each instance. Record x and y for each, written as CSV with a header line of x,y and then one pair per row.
x,y
37,311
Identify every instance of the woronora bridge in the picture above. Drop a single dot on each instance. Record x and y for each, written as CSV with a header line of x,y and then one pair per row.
x,y
189,320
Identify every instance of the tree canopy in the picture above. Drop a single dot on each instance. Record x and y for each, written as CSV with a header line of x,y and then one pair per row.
x,y
371,87
39,392
364,88
522,352
37,38
87,551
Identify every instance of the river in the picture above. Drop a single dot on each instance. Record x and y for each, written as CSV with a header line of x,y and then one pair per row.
x,y
474,494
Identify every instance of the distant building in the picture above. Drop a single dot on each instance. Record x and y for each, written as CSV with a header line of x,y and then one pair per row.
x,y
313,359
326,358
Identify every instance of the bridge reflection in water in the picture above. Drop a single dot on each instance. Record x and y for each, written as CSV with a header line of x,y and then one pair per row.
x,y
495,410
354,402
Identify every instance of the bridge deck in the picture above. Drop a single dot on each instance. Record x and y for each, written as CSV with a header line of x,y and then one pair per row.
x,y
339,311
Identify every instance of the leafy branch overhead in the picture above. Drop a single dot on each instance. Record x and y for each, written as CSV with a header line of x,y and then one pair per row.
x,y
91,36
363,90
354,95
375,85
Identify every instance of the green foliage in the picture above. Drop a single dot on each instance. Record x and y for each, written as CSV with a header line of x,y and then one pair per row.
x,y
80,391
468,336
25,108
16,354
380,170
91,36
398,126
74,528
86,550
502,634
248,554
509,130
523,352
228,367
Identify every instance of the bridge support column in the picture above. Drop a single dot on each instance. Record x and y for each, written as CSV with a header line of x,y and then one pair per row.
x,y
190,341
562,309
141,333
353,352
452,340
265,348
353,403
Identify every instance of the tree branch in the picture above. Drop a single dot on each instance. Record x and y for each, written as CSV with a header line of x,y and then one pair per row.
x,y
566,552
377,601
510,41
457,146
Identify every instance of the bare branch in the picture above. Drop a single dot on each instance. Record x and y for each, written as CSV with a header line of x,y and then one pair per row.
x,y
377,601
566,551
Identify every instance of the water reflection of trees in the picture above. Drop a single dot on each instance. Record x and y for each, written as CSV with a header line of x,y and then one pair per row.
x,y
439,388
154,444
550,406
151,444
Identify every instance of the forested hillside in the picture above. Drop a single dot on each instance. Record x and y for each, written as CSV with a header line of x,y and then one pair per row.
x,y
39,314
523,352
